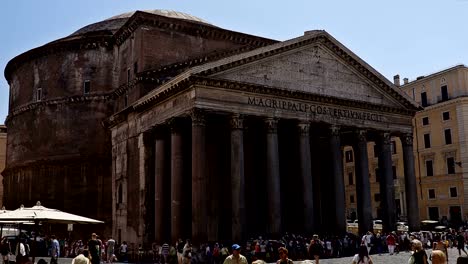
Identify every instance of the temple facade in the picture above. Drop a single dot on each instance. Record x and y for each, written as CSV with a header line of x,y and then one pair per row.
x,y
165,126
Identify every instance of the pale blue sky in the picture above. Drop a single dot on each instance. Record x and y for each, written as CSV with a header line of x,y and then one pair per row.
x,y
411,38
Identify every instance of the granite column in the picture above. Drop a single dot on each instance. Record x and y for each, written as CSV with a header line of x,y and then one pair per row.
x,y
273,178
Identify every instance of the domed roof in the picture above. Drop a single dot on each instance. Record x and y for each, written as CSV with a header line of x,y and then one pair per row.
x,y
112,24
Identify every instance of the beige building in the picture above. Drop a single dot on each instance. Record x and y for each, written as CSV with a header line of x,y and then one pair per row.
x,y
440,146
440,142
3,138
374,179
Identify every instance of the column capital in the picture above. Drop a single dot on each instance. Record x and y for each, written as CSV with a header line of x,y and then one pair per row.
x,y
407,139
385,138
335,130
304,128
198,117
361,135
271,125
236,121
174,124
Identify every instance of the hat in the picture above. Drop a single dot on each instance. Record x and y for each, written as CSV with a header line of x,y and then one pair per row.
x,y
235,247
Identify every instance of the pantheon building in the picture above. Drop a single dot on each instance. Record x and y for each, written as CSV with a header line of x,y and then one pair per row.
x,y
167,127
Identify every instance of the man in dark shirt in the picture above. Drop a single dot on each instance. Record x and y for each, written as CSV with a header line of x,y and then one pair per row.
x,y
94,249
460,243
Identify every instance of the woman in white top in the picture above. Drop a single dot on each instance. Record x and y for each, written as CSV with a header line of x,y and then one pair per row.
x,y
362,256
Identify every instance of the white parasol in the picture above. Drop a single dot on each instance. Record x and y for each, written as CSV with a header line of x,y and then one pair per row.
x,y
39,213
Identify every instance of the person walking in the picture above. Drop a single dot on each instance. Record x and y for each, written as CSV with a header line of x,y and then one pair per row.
x,y
315,248
438,257
391,242
94,248
110,244
461,244
235,257
419,255
362,256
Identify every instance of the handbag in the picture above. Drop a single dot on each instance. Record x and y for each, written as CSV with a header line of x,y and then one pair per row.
x,y
11,257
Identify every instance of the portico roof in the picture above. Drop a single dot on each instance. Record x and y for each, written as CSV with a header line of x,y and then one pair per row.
x,y
316,36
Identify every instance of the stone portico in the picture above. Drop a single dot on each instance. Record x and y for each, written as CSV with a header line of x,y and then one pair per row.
x,y
252,144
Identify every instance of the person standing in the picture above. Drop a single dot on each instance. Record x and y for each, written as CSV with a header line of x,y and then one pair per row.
x,y
82,257
55,250
110,249
391,242
123,251
235,257
438,257
283,254
94,248
367,240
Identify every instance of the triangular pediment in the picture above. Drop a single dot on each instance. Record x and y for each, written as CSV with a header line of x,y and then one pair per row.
x,y
311,69
315,63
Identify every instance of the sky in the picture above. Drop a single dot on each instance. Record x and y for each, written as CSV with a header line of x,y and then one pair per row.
x,y
410,38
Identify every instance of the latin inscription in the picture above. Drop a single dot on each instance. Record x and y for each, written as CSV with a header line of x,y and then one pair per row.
x,y
314,109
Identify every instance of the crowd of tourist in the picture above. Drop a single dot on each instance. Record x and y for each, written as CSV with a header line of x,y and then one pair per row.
x,y
255,250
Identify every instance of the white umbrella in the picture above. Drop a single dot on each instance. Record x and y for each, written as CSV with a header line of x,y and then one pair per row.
x,y
39,213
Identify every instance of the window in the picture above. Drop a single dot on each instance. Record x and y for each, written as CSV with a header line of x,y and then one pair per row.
x,y
119,194
427,140
377,197
128,75
434,213
453,192
424,99
135,68
429,169
350,178
394,172
444,92
126,100
431,193
86,87
393,146
38,94
351,198
425,121
349,156
448,136
450,165
377,175
446,115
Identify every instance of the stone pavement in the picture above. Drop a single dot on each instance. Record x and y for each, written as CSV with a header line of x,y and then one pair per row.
x,y
401,258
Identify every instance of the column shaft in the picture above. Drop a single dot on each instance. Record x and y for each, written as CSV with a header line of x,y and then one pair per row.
x,y
363,194
387,187
237,179
410,183
199,179
273,178
338,181
177,168
306,176
161,203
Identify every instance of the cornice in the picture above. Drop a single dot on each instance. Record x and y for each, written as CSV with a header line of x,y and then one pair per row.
x,y
258,89
61,160
433,75
188,27
320,39
88,42
64,100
